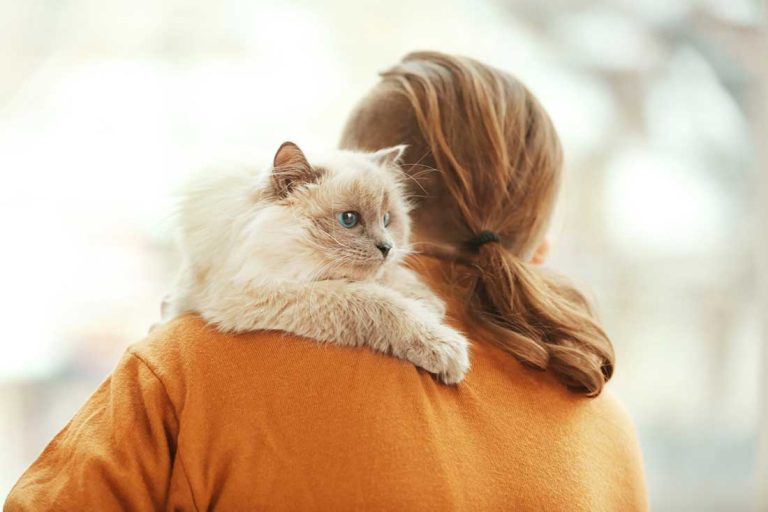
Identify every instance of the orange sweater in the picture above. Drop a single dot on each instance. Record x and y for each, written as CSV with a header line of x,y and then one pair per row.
x,y
192,419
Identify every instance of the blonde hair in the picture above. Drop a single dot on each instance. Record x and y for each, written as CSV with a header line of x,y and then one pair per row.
x,y
500,161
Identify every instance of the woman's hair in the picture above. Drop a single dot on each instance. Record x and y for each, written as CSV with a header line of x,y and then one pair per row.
x,y
498,162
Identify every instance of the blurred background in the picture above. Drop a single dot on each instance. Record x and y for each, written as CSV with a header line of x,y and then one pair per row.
x,y
105,107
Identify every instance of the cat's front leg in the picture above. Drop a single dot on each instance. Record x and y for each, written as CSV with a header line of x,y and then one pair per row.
x,y
409,284
346,313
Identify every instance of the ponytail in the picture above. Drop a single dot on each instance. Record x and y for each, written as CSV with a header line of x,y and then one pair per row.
x,y
500,163
541,320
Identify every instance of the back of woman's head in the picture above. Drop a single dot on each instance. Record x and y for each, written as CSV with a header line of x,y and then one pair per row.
x,y
484,157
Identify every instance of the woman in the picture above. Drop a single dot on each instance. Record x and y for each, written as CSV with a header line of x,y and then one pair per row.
x,y
192,419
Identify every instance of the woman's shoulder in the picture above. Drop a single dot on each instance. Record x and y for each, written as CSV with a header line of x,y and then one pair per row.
x,y
188,352
354,411
188,343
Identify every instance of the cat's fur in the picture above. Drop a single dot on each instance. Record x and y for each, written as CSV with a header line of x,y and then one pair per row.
x,y
265,250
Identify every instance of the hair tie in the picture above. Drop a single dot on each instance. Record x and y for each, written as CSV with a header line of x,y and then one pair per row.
x,y
482,238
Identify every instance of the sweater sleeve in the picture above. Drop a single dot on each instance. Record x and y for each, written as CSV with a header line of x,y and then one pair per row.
x,y
115,454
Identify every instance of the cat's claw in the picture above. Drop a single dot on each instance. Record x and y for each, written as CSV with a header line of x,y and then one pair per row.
x,y
445,353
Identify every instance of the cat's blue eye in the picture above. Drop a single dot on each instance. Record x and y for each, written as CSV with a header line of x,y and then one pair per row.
x,y
386,219
348,219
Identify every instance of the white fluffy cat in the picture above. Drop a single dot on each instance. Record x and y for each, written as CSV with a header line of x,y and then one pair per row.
x,y
314,250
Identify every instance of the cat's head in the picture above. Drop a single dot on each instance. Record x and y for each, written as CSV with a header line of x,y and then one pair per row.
x,y
350,206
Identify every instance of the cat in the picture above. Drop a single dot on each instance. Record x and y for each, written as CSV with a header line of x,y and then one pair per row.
x,y
313,250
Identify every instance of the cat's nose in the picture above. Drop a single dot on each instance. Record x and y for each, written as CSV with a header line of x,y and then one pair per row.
x,y
384,247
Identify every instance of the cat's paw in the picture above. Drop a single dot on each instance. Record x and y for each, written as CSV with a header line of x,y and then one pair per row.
x,y
443,352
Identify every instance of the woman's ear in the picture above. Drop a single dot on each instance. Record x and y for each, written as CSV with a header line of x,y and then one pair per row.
x,y
542,252
290,169
389,156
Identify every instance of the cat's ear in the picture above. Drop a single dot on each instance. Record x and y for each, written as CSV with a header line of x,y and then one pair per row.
x,y
290,169
389,156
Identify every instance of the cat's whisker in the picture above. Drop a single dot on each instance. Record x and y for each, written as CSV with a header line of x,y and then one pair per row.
x,y
423,168
337,241
422,157
414,177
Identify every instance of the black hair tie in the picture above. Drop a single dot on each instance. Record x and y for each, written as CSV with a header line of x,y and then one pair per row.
x,y
482,238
